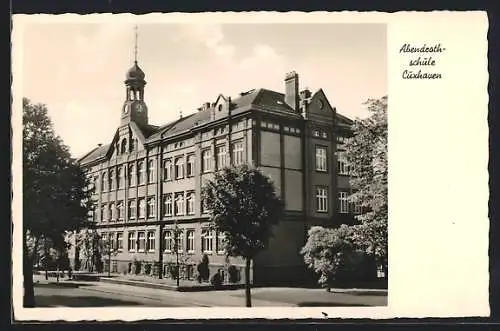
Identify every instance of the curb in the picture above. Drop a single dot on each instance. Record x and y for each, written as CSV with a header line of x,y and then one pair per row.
x,y
171,287
359,291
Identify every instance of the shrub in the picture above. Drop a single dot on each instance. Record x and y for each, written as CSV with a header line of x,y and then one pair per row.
x,y
202,268
216,280
137,267
147,269
234,274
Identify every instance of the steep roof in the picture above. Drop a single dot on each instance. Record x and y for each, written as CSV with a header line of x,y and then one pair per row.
x,y
260,99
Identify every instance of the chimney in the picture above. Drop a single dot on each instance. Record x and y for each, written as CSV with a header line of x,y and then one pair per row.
x,y
292,90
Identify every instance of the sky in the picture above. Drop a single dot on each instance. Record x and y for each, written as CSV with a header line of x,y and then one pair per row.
x,y
78,70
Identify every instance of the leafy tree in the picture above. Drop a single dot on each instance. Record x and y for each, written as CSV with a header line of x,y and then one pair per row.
x,y
331,253
367,158
177,232
243,205
55,194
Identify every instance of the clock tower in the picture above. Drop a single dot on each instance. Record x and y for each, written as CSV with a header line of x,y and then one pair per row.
x,y
134,108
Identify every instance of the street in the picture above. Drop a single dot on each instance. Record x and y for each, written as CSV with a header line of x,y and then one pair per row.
x,y
99,294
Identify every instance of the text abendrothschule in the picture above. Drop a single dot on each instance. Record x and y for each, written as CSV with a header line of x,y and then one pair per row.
x,y
410,74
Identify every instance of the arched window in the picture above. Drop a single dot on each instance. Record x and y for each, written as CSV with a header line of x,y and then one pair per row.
x,y
119,179
111,180
151,171
220,107
142,172
179,204
179,168
132,175
104,184
124,146
190,203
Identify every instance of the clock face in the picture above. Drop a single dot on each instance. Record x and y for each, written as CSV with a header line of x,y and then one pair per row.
x,y
139,107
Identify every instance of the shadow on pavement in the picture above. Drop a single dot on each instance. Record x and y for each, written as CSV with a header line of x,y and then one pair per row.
x,y
86,301
330,304
59,285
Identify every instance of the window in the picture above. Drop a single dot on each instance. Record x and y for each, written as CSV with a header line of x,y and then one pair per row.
x,y
221,156
221,238
343,203
120,210
112,211
141,212
358,208
119,241
151,207
206,241
131,209
342,166
96,182
167,201
151,171
132,175
124,146
131,241
179,243
207,160
151,241
238,153
324,135
315,133
104,178
321,199
167,243
141,169
111,180
104,236
179,204
112,241
190,241
321,163
141,242
190,203
190,165
119,179
103,213
179,167
167,170
204,208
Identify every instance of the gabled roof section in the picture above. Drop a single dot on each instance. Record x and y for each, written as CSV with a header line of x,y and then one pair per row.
x,y
94,154
341,119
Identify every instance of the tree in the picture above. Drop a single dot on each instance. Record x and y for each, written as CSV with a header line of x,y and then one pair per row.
x,y
55,194
367,158
331,253
243,204
177,232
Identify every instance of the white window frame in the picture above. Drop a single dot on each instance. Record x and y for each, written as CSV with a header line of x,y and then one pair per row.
x,y
132,173
104,181
321,199
141,165
190,200
168,240
343,202
207,160
120,210
150,209
141,237
112,211
238,152
111,182
221,152
119,241
179,167
168,204
190,164
190,241
132,238
167,172
342,166
180,205
119,178
321,159
151,171
132,209
207,240
151,239
141,208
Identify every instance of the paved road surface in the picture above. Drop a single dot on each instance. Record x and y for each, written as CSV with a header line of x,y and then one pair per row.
x,y
98,294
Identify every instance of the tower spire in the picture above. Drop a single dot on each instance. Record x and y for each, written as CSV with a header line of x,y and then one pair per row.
x,y
135,45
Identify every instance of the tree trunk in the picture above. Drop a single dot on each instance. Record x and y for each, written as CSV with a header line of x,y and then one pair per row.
x,y
29,294
160,256
247,283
